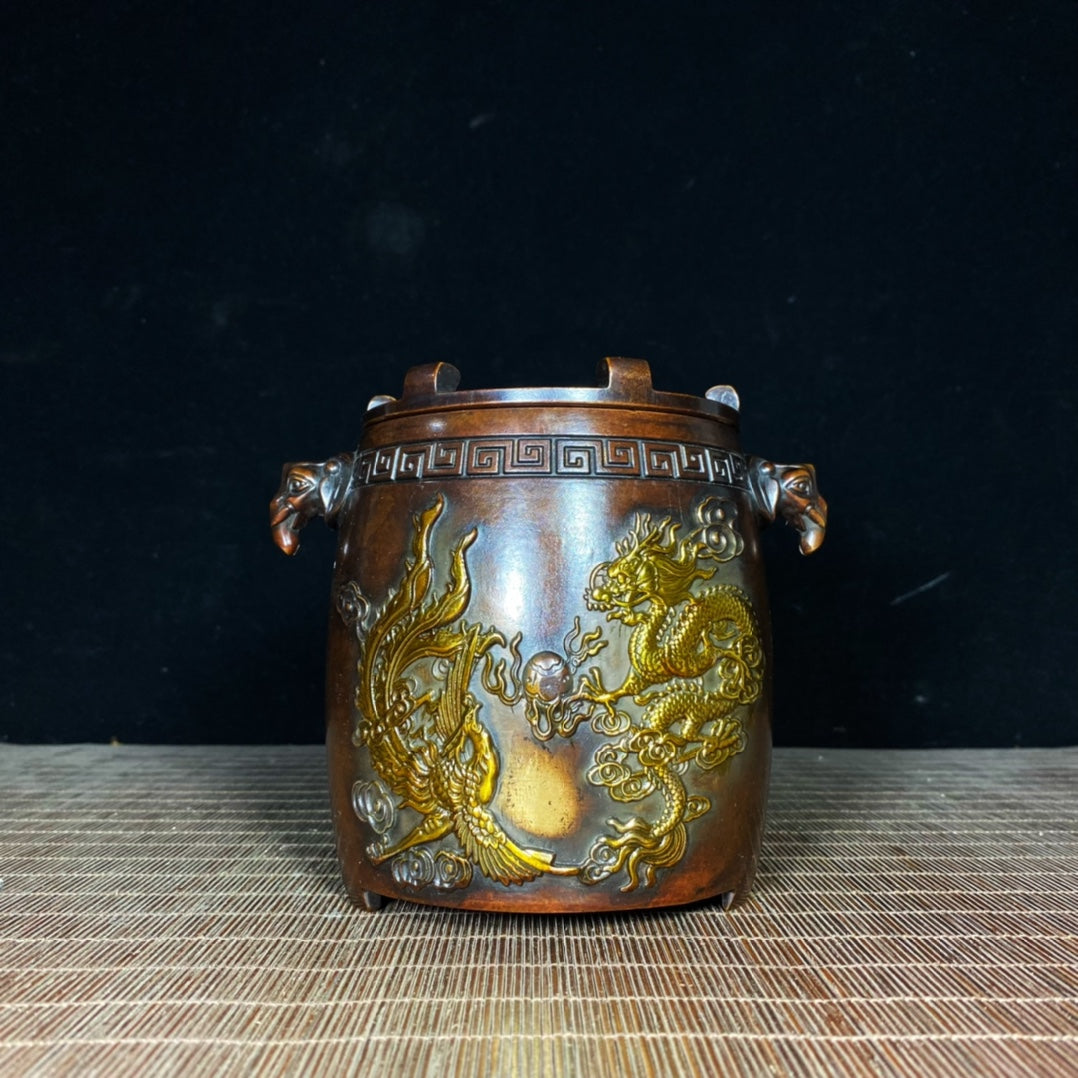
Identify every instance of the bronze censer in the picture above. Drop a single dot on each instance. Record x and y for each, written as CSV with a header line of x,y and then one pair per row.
x,y
549,660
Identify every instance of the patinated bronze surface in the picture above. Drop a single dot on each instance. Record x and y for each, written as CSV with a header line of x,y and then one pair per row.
x,y
549,654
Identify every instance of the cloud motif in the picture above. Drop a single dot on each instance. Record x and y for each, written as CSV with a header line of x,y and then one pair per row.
x,y
418,868
718,534
352,605
451,870
414,868
373,804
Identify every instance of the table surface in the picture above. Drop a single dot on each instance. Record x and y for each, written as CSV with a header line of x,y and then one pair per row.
x,y
178,910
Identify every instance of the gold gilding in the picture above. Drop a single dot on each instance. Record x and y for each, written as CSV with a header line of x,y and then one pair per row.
x,y
695,663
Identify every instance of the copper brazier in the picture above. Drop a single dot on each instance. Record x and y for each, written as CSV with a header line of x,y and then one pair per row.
x,y
549,653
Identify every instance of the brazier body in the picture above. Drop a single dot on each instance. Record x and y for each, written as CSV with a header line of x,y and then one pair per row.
x,y
549,658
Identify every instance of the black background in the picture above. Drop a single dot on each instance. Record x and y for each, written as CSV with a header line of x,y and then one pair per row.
x,y
225,227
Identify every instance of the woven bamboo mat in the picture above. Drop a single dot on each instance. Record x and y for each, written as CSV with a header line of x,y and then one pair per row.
x,y
178,911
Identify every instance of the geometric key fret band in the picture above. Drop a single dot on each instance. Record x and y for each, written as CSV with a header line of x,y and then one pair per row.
x,y
551,457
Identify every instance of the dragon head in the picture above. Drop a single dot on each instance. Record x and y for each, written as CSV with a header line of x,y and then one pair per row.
x,y
652,567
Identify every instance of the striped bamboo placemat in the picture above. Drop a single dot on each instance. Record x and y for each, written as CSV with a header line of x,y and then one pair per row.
x,y
178,910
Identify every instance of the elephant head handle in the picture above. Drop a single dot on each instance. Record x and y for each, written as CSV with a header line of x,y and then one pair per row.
x,y
309,489
790,491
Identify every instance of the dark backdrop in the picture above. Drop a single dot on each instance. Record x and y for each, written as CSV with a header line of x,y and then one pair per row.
x,y
225,227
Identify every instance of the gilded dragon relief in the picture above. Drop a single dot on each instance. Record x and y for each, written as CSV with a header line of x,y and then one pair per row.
x,y
694,664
